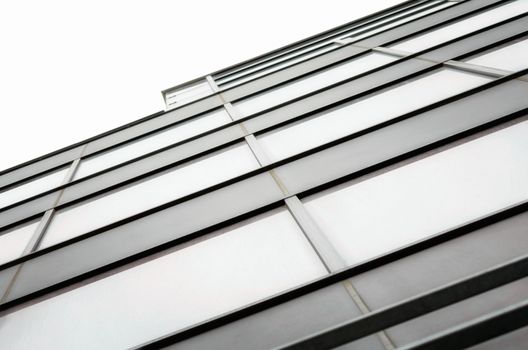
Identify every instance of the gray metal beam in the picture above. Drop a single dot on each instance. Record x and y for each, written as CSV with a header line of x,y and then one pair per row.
x,y
416,306
478,330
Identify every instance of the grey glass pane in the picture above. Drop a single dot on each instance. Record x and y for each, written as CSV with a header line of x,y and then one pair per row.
x,y
459,313
14,241
183,112
372,342
281,324
477,41
434,267
463,27
32,187
29,209
232,268
151,143
311,83
513,57
156,161
372,110
40,166
426,197
147,232
155,191
335,95
394,140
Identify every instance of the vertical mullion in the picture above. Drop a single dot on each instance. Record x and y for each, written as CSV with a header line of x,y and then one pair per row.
x,y
212,84
37,236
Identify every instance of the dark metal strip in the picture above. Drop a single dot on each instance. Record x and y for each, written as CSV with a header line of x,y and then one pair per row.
x,y
418,306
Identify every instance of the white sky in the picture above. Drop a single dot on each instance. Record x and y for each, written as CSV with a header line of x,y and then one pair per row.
x,y
70,69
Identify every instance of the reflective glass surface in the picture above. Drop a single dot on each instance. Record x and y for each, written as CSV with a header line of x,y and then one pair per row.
x,y
135,199
513,57
356,116
32,188
13,242
463,27
456,315
151,143
311,83
232,268
426,197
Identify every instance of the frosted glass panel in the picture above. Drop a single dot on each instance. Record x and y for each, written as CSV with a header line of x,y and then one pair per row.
x,y
426,197
513,57
32,188
357,116
463,27
316,81
249,262
135,199
153,142
12,243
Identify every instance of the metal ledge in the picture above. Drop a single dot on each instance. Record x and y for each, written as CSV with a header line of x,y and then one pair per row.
x,y
425,303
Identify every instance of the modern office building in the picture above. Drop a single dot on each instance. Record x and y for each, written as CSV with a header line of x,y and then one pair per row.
x,y
364,188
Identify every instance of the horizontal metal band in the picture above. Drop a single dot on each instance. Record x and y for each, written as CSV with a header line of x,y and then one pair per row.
x,y
477,331
433,300
337,277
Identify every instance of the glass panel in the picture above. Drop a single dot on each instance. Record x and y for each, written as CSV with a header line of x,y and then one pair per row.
x,y
406,18
153,142
457,314
445,263
244,264
188,93
463,27
356,116
32,188
146,232
302,316
311,83
426,197
513,57
135,199
13,243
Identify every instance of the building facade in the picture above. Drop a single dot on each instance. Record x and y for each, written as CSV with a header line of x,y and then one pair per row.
x,y
364,188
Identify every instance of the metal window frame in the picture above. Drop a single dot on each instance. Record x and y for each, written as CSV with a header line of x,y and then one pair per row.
x,y
104,171
493,324
337,277
254,172
330,43
292,158
38,163
478,330
309,40
417,306
133,257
